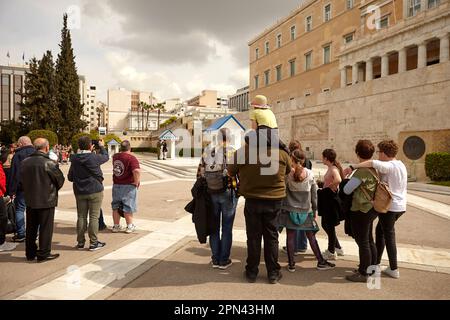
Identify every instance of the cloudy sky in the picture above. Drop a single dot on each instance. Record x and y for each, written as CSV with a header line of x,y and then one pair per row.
x,y
175,48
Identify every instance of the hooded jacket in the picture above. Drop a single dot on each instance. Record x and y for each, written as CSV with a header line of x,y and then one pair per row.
x,y
85,172
14,180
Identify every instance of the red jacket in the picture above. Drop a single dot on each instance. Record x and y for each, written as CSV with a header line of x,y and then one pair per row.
x,y
2,180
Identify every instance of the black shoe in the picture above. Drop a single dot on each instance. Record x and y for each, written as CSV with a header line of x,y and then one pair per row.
x,y
31,259
250,278
18,238
325,265
96,246
273,279
356,277
80,246
102,227
48,258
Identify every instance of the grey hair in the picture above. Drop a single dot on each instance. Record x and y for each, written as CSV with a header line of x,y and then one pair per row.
x,y
41,144
24,141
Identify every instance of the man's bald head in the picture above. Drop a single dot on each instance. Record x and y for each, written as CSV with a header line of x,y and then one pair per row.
x,y
42,144
24,141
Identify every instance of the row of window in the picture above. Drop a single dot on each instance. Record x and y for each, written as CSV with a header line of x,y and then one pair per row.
x,y
308,28
293,66
414,6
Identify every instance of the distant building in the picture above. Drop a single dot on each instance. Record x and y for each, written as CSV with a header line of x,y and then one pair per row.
x,y
239,100
12,80
172,104
208,98
122,103
90,105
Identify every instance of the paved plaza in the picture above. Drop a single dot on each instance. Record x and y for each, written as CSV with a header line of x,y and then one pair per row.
x,y
163,259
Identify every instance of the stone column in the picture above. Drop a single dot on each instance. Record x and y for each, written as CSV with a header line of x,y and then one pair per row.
x,y
343,77
444,49
384,65
422,55
355,68
402,60
369,70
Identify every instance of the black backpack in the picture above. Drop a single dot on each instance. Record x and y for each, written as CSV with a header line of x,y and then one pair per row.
x,y
10,215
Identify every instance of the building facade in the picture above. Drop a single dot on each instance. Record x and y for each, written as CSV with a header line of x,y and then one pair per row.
x,y
12,80
122,103
208,98
239,101
387,76
301,54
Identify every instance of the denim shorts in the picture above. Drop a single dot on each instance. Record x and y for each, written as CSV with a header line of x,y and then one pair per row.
x,y
125,194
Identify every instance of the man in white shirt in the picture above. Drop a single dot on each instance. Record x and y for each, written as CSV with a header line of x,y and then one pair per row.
x,y
394,173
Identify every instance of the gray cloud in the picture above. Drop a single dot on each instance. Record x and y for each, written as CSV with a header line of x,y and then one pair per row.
x,y
168,48
177,30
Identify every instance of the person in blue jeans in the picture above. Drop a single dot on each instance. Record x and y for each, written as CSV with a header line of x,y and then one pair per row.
x,y
213,168
24,150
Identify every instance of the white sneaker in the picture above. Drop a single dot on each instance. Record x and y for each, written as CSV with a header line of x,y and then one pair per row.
x,y
130,229
339,252
392,273
8,246
327,255
116,229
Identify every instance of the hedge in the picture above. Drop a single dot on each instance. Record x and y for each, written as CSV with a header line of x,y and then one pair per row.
x,y
47,134
437,166
93,135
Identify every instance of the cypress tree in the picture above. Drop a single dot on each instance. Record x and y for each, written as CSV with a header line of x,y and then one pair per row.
x,y
39,110
68,89
30,112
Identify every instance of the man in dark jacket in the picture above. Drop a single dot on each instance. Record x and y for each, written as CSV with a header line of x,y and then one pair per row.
x,y
262,175
41,179
87,178
25,149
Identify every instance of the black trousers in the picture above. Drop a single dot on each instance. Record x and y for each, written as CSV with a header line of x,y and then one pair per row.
x,y
385,237
3,221
362,225
330,229
42,220
261,221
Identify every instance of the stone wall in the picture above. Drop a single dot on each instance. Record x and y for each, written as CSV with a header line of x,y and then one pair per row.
x,y
435,141
416,100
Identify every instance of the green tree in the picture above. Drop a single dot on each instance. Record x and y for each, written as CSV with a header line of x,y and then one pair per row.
x,y
110,137
68,86
39,109
160,108
11,131
30,114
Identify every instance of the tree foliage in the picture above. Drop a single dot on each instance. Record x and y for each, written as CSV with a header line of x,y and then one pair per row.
x,y
68,89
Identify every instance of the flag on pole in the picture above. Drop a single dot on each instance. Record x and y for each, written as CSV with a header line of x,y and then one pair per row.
x,y
7,55
23,56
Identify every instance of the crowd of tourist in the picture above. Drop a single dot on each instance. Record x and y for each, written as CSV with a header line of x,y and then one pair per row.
x,y
282,196
30,179
291,198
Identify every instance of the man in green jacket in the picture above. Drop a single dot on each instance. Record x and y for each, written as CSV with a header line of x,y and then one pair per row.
x,y
261,173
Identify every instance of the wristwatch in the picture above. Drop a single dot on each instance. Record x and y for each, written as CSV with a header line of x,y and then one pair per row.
x,y
351,167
